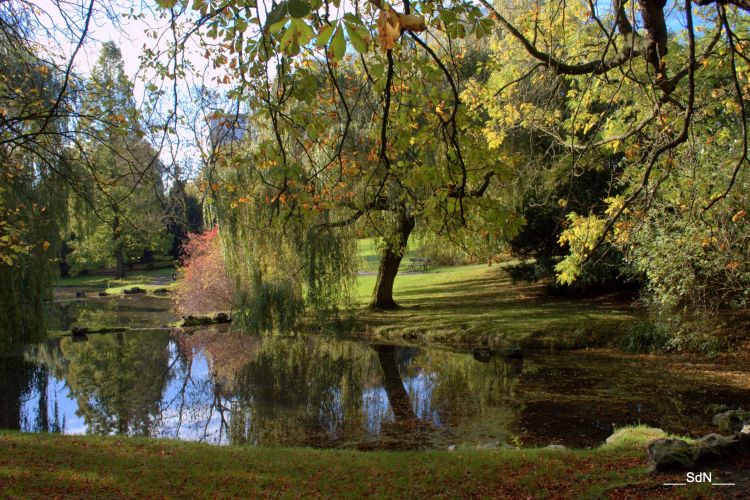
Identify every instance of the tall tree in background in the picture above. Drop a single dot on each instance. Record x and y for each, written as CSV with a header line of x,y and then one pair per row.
x,y
125,220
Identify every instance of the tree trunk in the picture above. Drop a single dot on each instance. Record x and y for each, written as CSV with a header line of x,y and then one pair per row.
x,y
382,296
398,398
119,252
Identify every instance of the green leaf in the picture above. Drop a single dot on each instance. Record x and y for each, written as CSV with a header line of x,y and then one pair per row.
x,y
276,27
324,35
338,45
298,8
377,71
166,4
277,14
352,19
304,31
357,36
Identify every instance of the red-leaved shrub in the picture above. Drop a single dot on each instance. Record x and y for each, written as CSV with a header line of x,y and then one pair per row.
x,y
202,284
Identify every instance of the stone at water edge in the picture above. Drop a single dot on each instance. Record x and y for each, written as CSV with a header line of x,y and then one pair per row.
x,y
222,317
669,455
745,430
714,447
731,421
558,447
482,354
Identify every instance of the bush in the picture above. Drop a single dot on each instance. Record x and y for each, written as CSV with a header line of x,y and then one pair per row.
x,y
442,255
646,337
202,284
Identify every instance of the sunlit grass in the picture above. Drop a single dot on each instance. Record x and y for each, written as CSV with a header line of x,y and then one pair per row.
x,y
478,303
39,465
146,279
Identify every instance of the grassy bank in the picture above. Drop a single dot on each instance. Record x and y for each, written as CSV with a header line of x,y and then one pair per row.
x,y
148,280
34,465
479,304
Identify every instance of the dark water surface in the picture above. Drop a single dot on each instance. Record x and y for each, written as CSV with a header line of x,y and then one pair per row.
x,y
230,388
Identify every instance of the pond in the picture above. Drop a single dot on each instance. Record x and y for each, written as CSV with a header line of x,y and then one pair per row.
x,y
224,387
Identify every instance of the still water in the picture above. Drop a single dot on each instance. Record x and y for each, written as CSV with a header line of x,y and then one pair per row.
x,y
224,387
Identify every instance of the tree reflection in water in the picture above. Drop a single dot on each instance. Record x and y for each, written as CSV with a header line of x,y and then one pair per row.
x,y
231,388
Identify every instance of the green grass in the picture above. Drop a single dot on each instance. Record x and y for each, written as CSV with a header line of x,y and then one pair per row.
x,y
477,303
144,279
40,465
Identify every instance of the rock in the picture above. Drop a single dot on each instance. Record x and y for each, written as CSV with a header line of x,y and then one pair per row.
x,y
512,353
102,294
669,455
161,291
746,429
731,421
557,447
452,447
190,320
489,446
482,354
80,295
714,447
78,330
133,291
222,317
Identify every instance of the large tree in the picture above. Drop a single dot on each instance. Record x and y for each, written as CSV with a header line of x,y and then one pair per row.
x,y
622,85
124,217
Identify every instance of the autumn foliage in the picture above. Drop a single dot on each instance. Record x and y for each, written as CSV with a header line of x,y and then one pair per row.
x,y
203,286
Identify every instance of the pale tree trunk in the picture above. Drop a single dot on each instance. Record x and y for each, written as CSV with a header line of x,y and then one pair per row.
x,y
382,296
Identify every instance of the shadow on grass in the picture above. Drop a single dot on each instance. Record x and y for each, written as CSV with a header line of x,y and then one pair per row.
x,y
486,307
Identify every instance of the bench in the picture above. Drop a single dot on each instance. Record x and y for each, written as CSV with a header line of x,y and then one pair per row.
x,y
418,263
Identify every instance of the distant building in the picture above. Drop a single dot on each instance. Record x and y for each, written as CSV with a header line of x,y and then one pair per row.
x,y
226,128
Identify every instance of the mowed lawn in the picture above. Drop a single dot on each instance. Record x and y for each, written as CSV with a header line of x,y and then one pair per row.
x,y
148,280
479,303
43,465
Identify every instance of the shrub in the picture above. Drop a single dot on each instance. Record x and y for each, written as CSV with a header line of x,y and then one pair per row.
x,y
202,285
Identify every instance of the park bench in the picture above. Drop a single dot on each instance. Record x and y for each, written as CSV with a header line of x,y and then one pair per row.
x,y
418,263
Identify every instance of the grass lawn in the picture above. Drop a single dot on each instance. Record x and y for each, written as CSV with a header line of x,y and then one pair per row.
x,y
147,279
40,465
477,303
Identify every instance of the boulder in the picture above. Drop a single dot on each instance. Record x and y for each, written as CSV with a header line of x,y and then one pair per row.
x,y
161,291
557,447
222,317
731,421
714,447
103,294
80,295
669,455
78,330
188,321
482,354
512,353
134,290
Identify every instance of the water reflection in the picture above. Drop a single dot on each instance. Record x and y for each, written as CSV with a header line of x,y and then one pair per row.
x,y
230,388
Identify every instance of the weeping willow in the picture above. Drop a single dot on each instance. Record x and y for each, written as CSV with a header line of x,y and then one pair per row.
x,y
32,195
286,264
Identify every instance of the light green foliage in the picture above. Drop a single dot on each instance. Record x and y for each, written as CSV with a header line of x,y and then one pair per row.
x,y
32,194
120,218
